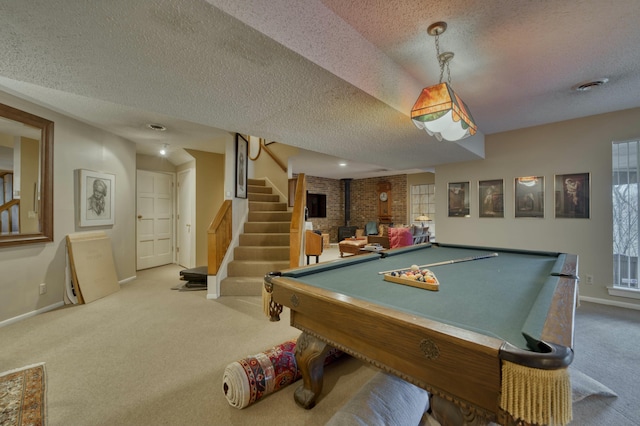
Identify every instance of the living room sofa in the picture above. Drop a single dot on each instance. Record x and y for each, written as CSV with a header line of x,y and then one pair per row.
x,y
392,237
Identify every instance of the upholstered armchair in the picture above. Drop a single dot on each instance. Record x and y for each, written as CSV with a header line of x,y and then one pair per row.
x,y
380,237
420,234
313,244
371,228
393,237
400,237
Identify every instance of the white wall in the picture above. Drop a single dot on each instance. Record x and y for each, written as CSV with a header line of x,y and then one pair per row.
x,y
76,146
575,146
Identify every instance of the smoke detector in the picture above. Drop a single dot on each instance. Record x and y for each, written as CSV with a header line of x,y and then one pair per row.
x,y
156,127
588,85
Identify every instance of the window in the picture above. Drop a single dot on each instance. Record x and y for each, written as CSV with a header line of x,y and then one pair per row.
x,y
423,202
626,241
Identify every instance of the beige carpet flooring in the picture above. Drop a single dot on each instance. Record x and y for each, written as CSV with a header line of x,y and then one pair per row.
x,y
149,355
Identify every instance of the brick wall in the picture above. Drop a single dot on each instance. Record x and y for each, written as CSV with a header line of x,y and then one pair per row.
x,y
364,202
333,189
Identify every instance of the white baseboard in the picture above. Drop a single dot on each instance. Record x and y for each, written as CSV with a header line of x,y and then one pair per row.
x,y
127,280
610,302
31,314
213,287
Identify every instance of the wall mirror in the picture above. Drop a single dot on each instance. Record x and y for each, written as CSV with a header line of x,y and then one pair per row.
x,y
26,177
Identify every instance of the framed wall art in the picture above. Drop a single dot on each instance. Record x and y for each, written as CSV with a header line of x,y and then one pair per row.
x,y
529,196
242,146
97,198
459,199
491,198
572,195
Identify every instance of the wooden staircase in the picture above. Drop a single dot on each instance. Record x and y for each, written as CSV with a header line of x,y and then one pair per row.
x,y
9,207
264,245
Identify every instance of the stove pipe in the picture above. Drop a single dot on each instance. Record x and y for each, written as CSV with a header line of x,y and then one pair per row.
x,y
346,231
347,201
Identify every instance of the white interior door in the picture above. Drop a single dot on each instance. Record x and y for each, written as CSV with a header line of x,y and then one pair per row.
x,y
155,214
186,221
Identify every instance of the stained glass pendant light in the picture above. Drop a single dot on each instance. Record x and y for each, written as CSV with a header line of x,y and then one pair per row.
x,y
438,110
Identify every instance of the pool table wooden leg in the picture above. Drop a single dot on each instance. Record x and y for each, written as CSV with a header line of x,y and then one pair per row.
x,y
310,357
449,414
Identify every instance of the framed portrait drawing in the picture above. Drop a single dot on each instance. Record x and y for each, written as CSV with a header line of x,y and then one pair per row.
x,y
529,196
242,147
459,199
491,198
572,194
97,198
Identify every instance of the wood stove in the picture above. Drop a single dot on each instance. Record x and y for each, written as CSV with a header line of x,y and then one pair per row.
x,y
345,232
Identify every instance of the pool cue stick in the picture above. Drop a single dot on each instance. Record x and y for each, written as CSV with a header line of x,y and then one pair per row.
x,y
446,262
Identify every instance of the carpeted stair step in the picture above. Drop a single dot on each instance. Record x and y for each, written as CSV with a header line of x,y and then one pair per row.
x,y
264,239
255,206
241,286
257,182
269,216
268,198
267,227
257,186
254,268
252,189
267,253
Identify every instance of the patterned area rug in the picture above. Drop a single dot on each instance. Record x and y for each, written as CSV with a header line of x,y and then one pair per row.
x,y
250,379
22,396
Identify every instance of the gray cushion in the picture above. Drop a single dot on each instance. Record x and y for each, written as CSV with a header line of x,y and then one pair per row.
x,y
371,228
385,400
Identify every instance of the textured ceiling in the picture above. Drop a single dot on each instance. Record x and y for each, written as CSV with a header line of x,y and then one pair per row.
x,y
328,76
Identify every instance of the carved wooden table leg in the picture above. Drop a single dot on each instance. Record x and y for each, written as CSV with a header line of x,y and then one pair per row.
x,y
450,414
310,356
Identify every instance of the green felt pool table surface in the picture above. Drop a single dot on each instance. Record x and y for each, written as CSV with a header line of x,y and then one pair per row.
x,y
496,296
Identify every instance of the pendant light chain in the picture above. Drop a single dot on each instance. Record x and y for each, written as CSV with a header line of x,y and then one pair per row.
x,y
448,72
443,61
438,56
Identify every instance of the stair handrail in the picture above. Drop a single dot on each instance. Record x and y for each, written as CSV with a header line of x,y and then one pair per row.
x,y
296,230
7,207
219,237
273,156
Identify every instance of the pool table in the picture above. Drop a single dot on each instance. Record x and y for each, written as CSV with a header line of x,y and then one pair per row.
x,y
508,308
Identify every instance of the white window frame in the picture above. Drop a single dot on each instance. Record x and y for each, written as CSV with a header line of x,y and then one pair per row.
x,y
423,201
625,194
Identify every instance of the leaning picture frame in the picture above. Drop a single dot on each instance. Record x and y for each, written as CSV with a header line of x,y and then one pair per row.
x,y
242,147
97,198
572,195
458,199
529,196
491,198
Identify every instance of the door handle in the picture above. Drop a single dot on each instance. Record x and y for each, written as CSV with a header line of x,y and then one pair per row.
x,y
139,216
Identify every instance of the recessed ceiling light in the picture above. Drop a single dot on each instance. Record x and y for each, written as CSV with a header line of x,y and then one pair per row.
x,y
588,85
343,164
156,127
